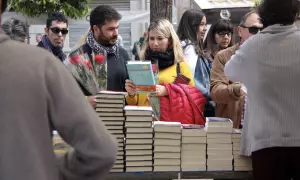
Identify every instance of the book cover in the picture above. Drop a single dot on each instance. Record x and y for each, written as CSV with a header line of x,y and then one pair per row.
x,y
141,74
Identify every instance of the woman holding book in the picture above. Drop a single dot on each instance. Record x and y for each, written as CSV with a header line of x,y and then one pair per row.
x,y
179,101
162,45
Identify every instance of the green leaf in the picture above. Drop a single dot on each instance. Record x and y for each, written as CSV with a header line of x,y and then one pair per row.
x,y
33,8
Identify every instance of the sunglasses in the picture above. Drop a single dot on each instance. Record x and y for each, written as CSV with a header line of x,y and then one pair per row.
x,y
57,30
224,33
253,30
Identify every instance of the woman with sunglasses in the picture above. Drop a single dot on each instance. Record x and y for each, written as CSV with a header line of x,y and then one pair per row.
x,y
220,36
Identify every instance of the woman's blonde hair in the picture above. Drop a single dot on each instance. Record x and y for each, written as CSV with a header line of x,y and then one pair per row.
x,y
164,28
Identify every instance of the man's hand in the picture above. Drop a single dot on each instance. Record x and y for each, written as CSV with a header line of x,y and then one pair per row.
x,y
92,101
130,88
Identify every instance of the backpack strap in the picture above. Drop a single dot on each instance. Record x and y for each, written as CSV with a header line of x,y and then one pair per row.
x,y
178,68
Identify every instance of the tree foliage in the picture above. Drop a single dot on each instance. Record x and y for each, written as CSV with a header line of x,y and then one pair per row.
x,y
33,8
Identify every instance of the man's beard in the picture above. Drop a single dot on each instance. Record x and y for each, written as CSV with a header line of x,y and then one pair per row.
x,y
107,40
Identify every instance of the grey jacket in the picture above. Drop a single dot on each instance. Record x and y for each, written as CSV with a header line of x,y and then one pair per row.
x,y
269,66
38,92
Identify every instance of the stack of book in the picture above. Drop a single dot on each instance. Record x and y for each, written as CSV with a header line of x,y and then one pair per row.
x,y
193,148
219,144
110,108
240,163
167,146
139,139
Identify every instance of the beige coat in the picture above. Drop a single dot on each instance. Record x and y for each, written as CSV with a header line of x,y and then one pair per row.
x,y
226,94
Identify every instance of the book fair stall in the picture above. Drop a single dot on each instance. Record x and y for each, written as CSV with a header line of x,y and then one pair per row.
x,y
149,149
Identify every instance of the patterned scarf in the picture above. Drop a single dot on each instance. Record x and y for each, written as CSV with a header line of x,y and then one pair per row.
x,y
97,48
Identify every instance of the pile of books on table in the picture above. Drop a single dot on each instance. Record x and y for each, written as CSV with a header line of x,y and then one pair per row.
x,y
110,108
139,139
193,148
167,146
219,144
240,163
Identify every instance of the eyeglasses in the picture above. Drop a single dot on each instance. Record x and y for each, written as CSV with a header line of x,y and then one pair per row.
x,y
224,33
253,30
57,30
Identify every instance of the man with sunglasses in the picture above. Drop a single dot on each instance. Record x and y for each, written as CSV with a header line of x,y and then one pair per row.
x,y
55,35
38,94
230,96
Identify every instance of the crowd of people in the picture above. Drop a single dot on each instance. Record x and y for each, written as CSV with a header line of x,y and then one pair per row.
x,y
252,81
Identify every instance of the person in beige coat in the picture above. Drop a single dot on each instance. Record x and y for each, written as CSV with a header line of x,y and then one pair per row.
x,y
228,95
38,94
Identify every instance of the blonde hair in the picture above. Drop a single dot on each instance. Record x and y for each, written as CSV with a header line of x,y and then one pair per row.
x,y
165,29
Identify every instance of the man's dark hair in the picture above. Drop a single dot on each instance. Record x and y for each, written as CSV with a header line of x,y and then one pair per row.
x,y
245,17
281,12
15,29
56,16
103,13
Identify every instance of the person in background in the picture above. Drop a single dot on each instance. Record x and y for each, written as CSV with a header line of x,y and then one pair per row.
x,y
162,45
219,37
55,35
191,32
54,38
228,95
38,93
38,38
269,66
137,46
15,29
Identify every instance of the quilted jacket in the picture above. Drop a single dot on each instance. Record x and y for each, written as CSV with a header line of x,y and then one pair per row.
x,y
184,104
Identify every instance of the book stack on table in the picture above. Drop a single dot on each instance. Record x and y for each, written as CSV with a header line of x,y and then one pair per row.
x,y
240,163
219,144
110,108
193,148
167,146
139,139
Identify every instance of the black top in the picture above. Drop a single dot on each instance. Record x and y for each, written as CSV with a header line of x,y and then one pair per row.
x,y
116,70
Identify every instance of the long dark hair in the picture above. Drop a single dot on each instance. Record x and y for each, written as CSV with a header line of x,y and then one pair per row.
x,y
210,44
189,27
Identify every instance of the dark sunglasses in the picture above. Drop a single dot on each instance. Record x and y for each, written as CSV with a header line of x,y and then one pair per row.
x,y
252,30
224,33
57,30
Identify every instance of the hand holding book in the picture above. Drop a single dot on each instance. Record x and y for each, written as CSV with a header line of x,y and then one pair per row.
x,y
130,88
161,90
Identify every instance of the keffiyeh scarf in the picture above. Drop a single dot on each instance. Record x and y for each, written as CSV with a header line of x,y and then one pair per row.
x,y
98,48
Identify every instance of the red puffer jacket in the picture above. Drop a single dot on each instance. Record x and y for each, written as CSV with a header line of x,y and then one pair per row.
x,y
184,104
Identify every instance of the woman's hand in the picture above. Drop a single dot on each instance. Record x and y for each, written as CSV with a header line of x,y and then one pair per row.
x,y
130,88
161,90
